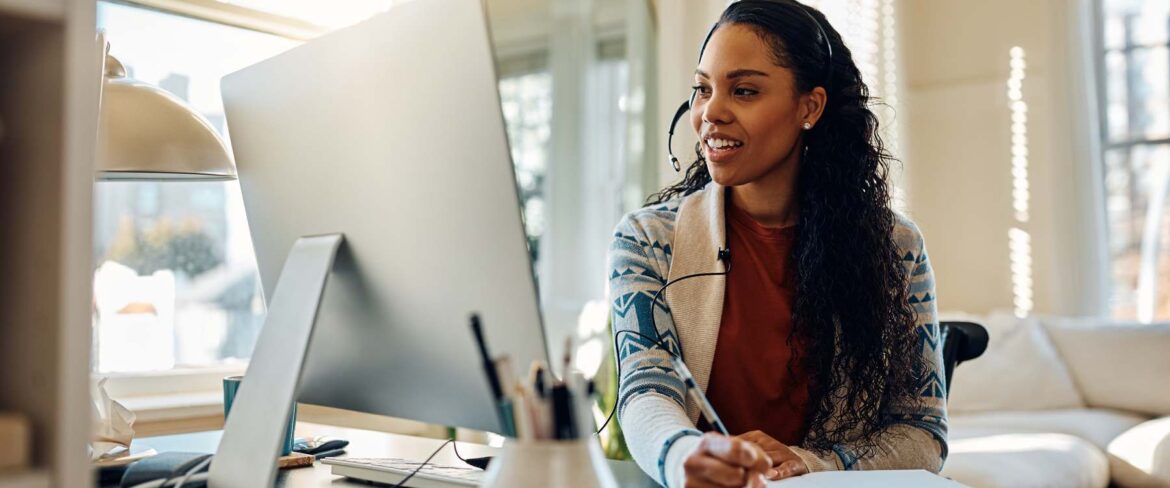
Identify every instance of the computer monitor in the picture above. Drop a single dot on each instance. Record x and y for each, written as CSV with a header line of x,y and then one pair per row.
x,y
391,133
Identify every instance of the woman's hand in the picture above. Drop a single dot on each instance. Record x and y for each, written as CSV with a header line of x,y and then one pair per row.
x,y
785,462
726,462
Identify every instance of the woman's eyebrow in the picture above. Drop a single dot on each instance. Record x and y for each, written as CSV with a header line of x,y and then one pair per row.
x,y
739,73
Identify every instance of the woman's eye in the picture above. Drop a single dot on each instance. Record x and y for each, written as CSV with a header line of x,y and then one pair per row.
x,y
745,92
702,89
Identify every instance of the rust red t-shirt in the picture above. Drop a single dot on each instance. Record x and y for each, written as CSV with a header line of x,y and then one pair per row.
x,y
752,385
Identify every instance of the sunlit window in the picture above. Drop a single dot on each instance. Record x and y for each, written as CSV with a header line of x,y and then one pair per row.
x,y
176,283
526,99
1136,138
869,29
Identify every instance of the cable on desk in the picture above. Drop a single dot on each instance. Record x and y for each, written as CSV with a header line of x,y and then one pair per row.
x,y
455,447
423,464
197,468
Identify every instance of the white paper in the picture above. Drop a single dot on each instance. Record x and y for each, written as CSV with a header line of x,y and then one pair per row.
x,y
113,424
867,479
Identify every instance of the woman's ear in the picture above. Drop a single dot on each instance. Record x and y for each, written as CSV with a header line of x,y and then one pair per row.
x,y
812,105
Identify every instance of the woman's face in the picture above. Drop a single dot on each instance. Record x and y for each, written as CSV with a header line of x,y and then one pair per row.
x,y
747,111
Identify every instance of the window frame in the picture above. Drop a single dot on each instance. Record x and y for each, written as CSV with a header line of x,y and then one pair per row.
x,y
232,15
1099,55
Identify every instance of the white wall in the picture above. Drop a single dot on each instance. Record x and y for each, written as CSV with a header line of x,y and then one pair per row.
x,y
959,154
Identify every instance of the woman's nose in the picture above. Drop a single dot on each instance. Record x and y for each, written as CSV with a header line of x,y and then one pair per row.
x,y
717,111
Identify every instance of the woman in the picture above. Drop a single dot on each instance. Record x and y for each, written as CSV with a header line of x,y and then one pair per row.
x,y
819,347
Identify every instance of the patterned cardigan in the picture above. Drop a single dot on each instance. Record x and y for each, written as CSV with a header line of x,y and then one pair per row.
x,y
681,237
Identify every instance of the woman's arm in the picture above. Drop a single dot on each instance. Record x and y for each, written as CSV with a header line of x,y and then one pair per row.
x,y
651,395
917,436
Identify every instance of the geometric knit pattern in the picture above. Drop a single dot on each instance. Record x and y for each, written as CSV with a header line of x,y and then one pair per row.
x,y
639,262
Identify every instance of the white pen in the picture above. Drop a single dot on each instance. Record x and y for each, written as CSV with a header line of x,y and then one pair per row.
x,y
698,396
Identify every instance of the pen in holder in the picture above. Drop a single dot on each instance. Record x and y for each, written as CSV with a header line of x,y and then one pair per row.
x,y
549,425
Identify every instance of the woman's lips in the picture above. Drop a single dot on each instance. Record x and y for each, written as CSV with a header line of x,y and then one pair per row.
x,y
721,154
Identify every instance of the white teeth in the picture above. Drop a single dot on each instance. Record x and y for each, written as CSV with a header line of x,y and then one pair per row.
x,y
722,143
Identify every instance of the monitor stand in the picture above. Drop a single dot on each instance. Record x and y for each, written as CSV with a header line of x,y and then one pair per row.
x,y
252,434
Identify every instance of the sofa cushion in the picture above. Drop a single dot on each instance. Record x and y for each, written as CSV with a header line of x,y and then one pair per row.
x,y
1141,455
1116,365
1099,427
1019,371
1026,460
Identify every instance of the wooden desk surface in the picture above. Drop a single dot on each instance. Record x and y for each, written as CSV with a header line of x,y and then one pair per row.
x,y
365,443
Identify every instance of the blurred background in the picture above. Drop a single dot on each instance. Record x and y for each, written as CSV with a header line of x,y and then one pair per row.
x,y
1034,136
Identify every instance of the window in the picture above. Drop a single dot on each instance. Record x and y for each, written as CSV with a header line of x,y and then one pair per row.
x,y
526,99
176,285
869,28
1135,81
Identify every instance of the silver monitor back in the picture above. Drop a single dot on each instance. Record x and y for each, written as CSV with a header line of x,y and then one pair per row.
x,y
390,132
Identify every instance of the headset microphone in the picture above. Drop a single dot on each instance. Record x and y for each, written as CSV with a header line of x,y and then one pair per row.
x,y
682,110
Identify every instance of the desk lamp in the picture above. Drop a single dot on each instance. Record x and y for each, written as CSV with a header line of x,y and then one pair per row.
x,y
147,134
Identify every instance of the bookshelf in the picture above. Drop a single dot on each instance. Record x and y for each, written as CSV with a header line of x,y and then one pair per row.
x,y
49,87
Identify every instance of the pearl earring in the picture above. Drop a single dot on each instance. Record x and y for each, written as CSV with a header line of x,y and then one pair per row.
x,y
807,125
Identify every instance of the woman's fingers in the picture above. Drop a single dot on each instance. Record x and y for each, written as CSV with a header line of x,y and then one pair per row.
x,y
777,455
787,469
776,450
763,460
736,452
792,467
753,436
713,471
723,461
756,436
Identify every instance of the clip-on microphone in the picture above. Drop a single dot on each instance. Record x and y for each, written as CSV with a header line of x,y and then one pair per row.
x,y
724,254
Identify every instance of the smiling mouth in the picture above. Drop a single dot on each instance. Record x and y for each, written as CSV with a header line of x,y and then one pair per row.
x,y
716,143
720,148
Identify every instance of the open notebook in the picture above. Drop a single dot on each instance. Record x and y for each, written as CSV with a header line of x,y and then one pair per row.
x,y
867,479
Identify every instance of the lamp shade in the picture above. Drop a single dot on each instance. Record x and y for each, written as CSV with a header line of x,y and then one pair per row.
x,y
146,133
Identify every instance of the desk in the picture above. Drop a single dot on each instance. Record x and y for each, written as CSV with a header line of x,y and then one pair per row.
x,y
365,443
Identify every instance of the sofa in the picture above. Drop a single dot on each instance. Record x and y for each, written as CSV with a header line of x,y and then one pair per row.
x,y
1061,402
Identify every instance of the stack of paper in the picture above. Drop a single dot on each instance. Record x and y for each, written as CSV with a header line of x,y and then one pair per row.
x,y
868,479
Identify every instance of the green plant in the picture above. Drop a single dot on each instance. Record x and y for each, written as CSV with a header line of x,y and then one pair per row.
x,y
613,442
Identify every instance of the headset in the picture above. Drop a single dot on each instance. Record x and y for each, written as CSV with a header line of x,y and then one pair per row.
x,y
690,102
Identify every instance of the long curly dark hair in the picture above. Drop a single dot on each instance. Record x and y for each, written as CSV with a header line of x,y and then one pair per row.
x,y
851,315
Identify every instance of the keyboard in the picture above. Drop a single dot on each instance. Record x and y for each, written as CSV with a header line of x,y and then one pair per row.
x,y
393,470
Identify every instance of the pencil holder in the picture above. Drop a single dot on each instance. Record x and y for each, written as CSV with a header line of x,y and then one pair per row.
x,y
569,464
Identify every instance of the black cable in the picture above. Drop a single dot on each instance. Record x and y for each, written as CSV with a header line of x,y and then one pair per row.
x,y
455,447
725,256
189,475
195,469
422,464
